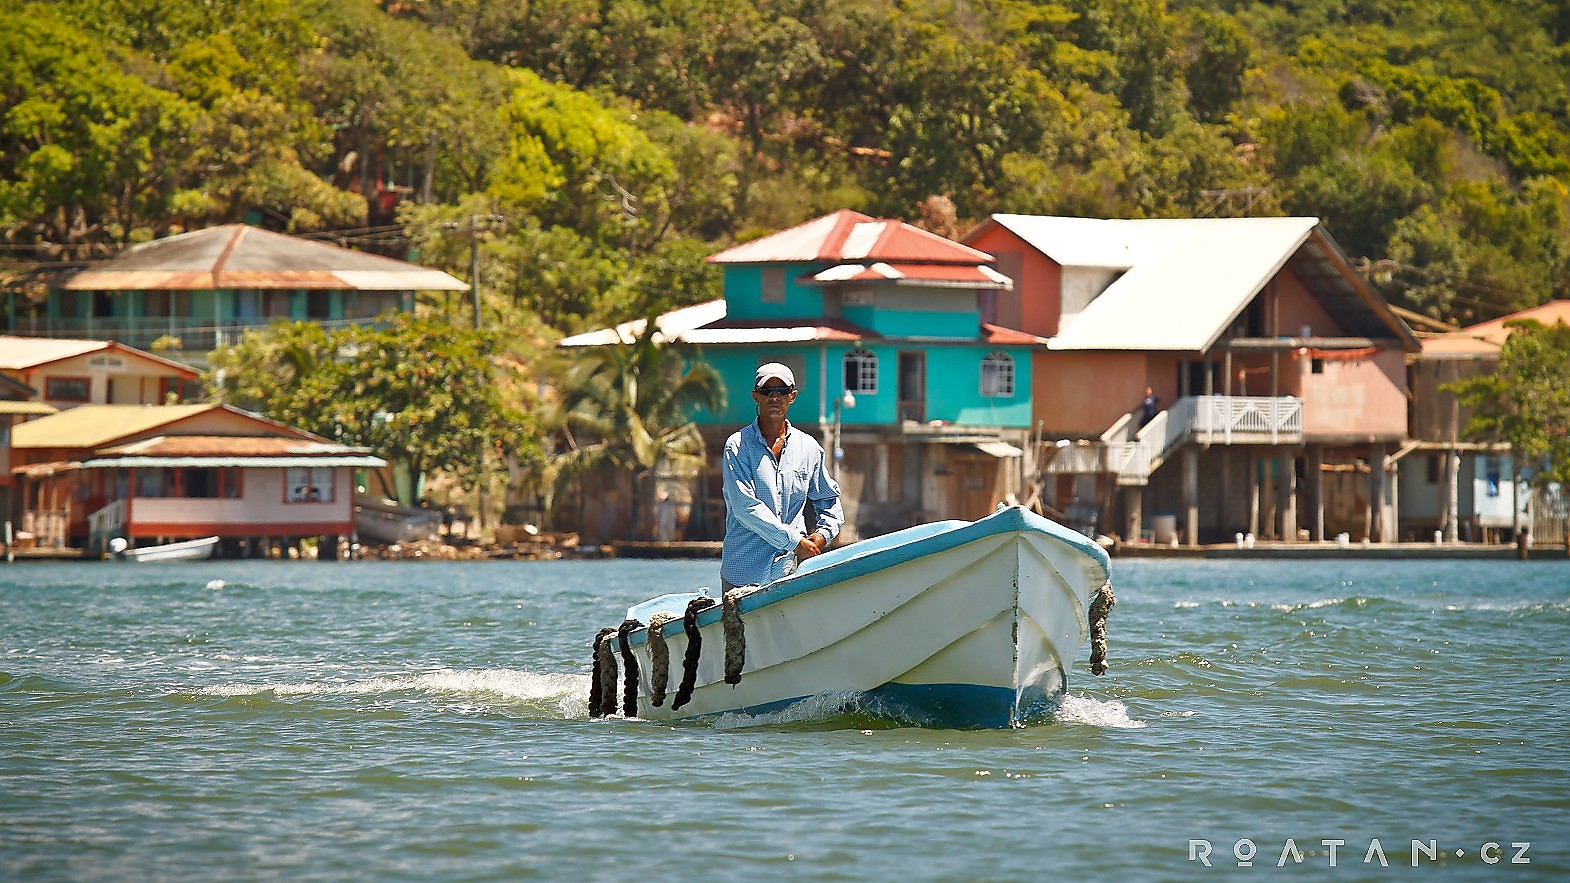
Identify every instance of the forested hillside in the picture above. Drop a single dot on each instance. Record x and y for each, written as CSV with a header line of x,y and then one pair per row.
x,y
598,150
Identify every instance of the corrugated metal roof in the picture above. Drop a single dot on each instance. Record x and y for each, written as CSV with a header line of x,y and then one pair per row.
x,y
226,462
1488,337
230,446
1075,242
25,353
239,256
777,334
1188,281
669,326
999,334
1184,281
21,353
12,407
925,275
90,427
851,236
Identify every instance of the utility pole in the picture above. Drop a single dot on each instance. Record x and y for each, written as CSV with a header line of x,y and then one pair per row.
x,y
475,220
474,266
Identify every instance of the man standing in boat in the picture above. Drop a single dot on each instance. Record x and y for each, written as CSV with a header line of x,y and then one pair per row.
x,y
773,472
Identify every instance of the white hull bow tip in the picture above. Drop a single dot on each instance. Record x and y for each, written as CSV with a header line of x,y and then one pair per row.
x,y
954,623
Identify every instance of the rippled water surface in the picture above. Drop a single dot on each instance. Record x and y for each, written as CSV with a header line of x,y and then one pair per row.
x,y
427,721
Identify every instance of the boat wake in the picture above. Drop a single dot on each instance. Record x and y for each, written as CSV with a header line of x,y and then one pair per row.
x,y
562,693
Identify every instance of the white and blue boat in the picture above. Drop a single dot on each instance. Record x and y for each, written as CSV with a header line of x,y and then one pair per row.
x,y
953,623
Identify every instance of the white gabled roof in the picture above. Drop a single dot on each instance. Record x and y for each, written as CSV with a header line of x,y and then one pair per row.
x,y
669,326
21,353
1183,280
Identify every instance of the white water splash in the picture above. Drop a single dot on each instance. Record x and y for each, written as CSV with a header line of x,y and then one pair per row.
x,y
562,690
214,585
1108,713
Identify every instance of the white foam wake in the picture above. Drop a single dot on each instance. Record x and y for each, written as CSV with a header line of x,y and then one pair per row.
x,y
1095,712
491,684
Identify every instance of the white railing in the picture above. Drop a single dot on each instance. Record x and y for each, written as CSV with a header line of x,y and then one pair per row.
x,y
1134,452
1218,418
105,524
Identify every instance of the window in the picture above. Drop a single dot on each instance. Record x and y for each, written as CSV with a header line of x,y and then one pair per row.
x,y
861,372
212,484
151,482
859,297
997,376
68,389
773,285
309,484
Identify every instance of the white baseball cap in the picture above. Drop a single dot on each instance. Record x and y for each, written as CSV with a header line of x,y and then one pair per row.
x,y
773,369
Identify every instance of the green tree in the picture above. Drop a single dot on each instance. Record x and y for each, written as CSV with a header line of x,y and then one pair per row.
x,y
1526,401
426,394
89,153
572,162
626,410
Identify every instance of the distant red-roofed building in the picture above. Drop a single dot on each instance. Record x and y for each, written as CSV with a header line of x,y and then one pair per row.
x,y
153,473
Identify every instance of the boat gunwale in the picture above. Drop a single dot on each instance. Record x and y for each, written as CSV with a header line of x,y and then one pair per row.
x,y
1005,520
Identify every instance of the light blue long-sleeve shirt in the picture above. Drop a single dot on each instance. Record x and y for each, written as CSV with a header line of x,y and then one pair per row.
x,y
765,500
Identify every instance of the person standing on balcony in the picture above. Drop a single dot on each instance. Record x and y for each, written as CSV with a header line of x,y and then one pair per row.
x,y
773,472
1151,405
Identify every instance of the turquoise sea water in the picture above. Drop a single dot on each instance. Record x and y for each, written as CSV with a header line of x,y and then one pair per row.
x,y
427,721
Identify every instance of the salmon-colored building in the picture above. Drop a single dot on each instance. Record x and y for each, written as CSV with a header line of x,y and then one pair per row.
x,y
1278,376
1458,488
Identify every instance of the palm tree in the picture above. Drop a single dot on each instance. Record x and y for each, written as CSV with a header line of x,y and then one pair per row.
x,y
626,409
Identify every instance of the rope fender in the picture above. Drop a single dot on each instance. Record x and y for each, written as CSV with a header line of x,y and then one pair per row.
x,y
602,684
735,637
1100,606
629,693
659,658
689,662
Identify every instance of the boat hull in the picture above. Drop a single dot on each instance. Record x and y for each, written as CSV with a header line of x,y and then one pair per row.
x,y
189,550
963,624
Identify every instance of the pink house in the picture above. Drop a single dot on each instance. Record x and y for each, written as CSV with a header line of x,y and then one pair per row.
x,y
1279,375
149,473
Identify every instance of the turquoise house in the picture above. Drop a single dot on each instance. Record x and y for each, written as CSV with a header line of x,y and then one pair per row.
x,y
923,407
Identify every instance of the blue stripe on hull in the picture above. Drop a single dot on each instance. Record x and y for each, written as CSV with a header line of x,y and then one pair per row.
x,y
945,706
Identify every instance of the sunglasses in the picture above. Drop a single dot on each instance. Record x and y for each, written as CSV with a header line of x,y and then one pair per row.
x,y
775,391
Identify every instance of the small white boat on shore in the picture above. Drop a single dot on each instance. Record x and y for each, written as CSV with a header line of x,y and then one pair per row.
x,y
954,623
187,550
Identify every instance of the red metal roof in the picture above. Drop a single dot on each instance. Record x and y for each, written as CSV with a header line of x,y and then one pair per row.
x,y
238,256
852,236
999,334
228,446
